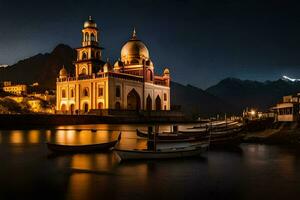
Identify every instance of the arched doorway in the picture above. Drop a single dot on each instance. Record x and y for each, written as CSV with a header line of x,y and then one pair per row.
x,y
157,103
118,106
148,103
133,100
85,107
100,105
63,108
72,109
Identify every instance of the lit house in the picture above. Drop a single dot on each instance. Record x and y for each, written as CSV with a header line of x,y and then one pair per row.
x,y
288,109
129,84
17,89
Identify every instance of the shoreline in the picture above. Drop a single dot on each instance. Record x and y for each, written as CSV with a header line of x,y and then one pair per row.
x,y
284,133
21,121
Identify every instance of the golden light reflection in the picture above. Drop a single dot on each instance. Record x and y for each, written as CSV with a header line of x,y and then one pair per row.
x,y
16,137
48,135
82,161
85,137
80,183
34,136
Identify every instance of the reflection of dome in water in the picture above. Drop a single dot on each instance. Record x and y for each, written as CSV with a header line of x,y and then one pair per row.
x,y
134,48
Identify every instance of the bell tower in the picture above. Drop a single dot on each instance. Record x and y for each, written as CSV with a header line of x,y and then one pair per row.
x,y
90,53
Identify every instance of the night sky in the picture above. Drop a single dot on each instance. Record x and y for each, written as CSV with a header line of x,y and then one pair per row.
x,y
201,42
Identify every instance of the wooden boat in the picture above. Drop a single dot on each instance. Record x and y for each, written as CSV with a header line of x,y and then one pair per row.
x,y
226,138
183,152
218,125
65,148
219,138
172,135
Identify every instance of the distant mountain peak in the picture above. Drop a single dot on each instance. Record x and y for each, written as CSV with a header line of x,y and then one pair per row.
x,y
41,68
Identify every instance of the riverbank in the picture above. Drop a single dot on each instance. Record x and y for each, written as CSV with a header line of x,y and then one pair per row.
x,y
18,121
287,133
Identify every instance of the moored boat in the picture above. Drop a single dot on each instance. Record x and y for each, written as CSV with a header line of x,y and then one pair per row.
x,y
173,135
73,148
225,137
183,152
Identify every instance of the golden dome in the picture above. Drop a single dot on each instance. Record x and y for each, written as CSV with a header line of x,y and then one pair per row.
x,y
107,67
90,23
166,71
134,49
63,72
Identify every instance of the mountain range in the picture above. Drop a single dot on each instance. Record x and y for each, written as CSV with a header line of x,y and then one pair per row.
x,y
230,95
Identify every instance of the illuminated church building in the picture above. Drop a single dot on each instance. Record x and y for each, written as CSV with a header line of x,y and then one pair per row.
x,y
130,84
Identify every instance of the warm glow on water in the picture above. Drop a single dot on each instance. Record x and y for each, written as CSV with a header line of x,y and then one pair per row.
x,y
17,137
34,136
81,183
243,172
81,161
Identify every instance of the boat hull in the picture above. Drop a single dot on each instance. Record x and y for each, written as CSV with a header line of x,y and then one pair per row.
x,y
146,155
180,136
81,148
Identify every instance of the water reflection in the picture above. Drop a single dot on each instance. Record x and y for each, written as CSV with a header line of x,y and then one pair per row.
x,y
17,137
253,170
80,137
34,137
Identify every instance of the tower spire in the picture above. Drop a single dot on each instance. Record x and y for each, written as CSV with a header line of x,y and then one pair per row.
x,y
134,33
90,18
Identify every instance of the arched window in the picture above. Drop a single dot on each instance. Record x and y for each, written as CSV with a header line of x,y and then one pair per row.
x,y
84,56
83,71
63,93
149,103
93,37
86,92
98,55
118,91
72,93
149,75
100,105
157,103
85,107
165,97
86,37
118,106
100,91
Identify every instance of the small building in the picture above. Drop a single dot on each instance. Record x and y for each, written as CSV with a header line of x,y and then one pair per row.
x,y
18,89
288,109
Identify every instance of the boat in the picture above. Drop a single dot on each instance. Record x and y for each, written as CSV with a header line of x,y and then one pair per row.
x,y
66,148
180,152
180,135
225,137
218,125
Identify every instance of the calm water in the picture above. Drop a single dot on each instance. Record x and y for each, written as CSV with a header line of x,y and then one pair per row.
x,y
29,171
